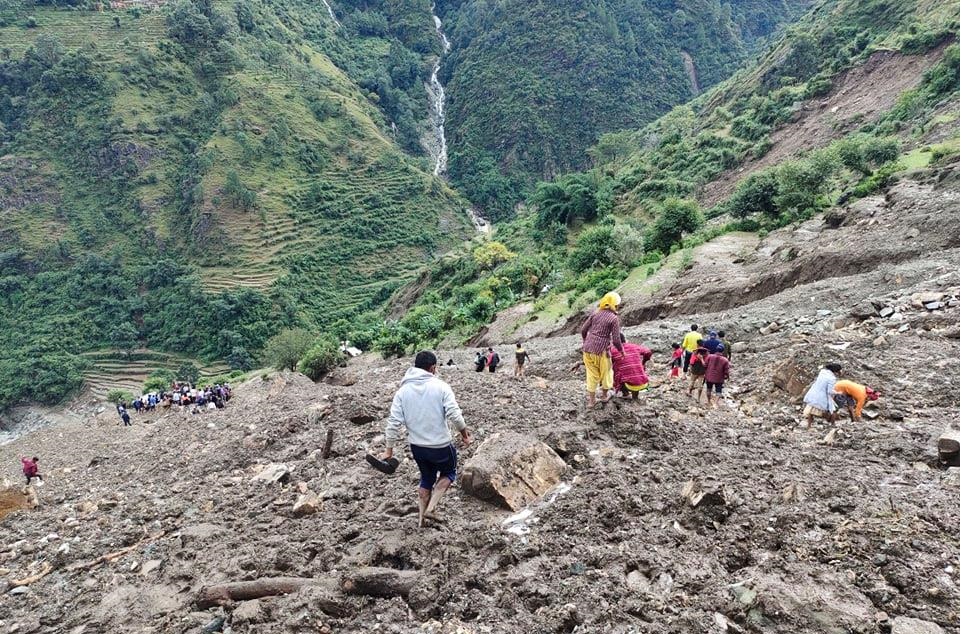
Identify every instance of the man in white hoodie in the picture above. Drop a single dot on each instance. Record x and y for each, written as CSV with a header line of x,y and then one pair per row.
x,y
425,405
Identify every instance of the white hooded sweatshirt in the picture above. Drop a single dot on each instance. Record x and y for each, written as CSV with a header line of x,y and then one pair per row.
x,y
424,404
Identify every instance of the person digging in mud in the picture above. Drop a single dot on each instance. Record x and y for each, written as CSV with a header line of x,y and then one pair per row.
x,y
425,405
697,370
818,401
599,332
521,357
851,396
691,342
629,373
717,372
30,468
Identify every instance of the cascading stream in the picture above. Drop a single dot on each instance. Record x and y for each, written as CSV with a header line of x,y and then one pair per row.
x,y
331,13
439,146
437,93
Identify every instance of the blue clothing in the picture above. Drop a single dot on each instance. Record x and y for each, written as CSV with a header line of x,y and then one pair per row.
x,y
714,345
820,394
435,462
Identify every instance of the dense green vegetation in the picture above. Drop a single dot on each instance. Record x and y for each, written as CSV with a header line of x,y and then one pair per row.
x,y
532,85
583,233
196,178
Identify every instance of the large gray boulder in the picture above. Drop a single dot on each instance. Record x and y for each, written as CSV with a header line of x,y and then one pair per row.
x,y
510,469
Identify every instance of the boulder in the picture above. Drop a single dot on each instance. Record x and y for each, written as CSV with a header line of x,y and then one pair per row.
x,y
247,612
740,346
317,412
927,297
907,625
793,378
307,504
511,469
360,414
273,472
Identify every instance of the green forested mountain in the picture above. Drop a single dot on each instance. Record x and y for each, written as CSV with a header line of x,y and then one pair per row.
x,y
532,85
191,177
195,177
713,165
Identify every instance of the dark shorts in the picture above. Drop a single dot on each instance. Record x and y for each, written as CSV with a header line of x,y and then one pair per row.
x,y
433,463
844,401
717,386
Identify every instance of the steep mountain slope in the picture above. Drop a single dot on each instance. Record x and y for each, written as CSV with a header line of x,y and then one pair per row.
x,y
191,178
532,85
853,96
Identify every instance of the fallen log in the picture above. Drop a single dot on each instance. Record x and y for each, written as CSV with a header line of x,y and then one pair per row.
x,y
379,582
949,447
211,596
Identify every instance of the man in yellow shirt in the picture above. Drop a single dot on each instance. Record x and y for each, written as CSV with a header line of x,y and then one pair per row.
x,y
691,341
852,397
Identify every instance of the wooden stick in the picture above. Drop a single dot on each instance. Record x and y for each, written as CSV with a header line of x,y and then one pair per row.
x,y
211,596
114,555
26,581
329,438
379,582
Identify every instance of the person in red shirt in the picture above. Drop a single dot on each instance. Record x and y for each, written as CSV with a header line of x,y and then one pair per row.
x,y
717,372
30,468
629,371
676,362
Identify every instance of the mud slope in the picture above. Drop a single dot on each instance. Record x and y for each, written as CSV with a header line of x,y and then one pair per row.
x,y
916,220
845,529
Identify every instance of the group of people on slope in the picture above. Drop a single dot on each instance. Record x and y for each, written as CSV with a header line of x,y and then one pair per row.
x,y
181,395
617,366
828,394
490,359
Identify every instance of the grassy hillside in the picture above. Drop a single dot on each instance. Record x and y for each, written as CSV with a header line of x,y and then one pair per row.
x,y
815,120
532,85
194,178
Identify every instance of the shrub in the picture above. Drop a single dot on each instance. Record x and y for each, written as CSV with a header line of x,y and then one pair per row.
x,y
593,249
627,245
755,194
119,396
491,254
159,380
285,349
239,359
676,218
189,372
323,357
877,181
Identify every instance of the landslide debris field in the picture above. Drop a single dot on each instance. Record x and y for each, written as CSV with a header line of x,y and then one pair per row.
x,y
668,517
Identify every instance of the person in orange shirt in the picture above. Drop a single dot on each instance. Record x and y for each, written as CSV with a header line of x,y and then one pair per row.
x,y
852,397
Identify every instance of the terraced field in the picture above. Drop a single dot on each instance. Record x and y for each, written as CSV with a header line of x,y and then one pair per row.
x,y
112,369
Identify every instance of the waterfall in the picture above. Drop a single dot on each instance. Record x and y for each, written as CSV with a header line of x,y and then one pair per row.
x,y
438,147
331,13
436,93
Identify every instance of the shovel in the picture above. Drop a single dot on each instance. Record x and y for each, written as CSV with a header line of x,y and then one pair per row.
x,y
385,466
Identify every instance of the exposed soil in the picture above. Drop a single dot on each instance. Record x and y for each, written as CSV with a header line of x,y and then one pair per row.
x,y
832,529
858,97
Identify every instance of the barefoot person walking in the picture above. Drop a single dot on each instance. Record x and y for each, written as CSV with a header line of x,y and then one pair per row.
x,y
599,332
425,405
